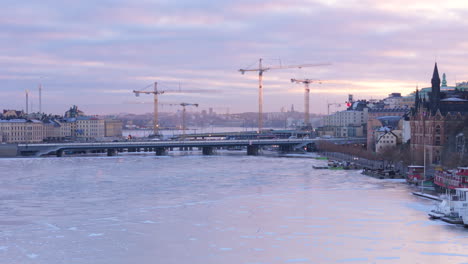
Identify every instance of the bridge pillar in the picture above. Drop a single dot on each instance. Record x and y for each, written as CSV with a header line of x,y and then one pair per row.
x,y
286,148
111,152
311,147
252,150
160,151
59,153
207,151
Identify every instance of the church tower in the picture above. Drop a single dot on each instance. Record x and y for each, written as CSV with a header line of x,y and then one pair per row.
x,y
416,100
435,93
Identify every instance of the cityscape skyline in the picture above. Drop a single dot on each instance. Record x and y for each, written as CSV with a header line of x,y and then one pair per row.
x,y
94,54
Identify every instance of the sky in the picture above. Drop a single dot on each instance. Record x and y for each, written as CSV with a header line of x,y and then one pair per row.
x,y
95,53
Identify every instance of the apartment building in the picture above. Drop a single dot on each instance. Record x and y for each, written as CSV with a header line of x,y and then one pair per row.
x,y
21,131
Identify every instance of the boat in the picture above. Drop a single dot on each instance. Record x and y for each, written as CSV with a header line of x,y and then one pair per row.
x,y
451,179
335,165
452,207
320,158
464,215
415,174
320,167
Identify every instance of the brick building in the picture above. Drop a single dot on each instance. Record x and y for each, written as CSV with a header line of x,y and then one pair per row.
x,y
435,123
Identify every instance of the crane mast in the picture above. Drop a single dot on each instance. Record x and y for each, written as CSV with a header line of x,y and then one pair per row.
x,y
306,83
183,116
261,69
155,93
260,97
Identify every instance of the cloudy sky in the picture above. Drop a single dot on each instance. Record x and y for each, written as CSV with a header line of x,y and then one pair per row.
x,y
93,53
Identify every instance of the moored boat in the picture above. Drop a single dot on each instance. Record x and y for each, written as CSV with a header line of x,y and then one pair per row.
x,y
452,207
320,167
464,214
451,179
415,174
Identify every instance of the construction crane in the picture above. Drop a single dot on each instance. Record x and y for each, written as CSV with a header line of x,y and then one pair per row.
x,y
183,115
328,106
261,69
184,105
306,83
155,92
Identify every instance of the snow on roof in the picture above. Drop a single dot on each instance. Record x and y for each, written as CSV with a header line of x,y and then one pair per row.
x,y
13,121
453,99
384,129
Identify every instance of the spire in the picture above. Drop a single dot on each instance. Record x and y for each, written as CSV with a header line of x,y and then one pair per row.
x,y
435,93
435,74
416,99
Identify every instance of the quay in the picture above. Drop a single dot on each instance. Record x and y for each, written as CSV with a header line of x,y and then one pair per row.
x,y
428,196
374,168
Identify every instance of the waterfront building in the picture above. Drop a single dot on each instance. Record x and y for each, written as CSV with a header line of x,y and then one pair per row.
x,y
51,130
21,131
67,127
89,127
347,123
387,138
347,118
374,122
436,120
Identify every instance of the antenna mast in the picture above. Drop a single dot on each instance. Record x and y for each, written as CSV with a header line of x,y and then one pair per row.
x,y
40,98
27,102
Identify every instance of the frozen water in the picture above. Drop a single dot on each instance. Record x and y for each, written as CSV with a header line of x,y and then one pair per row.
x,y
212,209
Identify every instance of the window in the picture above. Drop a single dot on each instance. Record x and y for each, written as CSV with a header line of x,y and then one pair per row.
x,y
437,130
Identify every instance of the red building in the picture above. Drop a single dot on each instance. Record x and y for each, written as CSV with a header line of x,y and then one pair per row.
x,y
436,123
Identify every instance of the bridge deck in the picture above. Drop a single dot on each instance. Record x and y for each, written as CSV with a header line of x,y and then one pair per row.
x,y
46,148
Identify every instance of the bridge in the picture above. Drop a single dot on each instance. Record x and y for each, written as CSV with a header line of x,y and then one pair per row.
x,y
162,147
239,135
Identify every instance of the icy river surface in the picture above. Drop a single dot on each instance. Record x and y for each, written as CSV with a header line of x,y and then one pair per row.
x,y
212,209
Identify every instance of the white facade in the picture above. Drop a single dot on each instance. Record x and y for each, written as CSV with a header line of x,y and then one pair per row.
x,y
21,131
406,132
347,118
51,130
90,127
387,139
66,128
